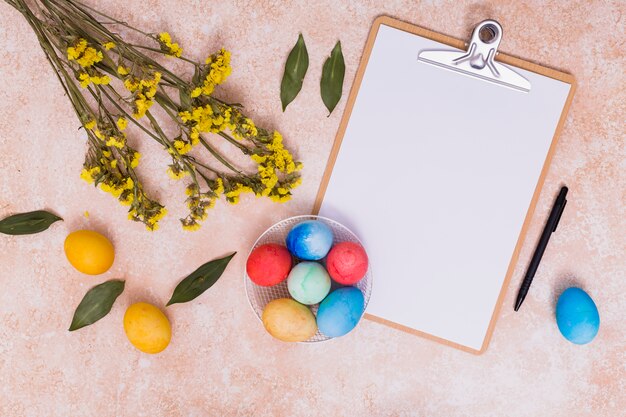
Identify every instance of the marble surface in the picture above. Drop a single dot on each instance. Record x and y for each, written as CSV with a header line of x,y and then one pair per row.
x,y
220,361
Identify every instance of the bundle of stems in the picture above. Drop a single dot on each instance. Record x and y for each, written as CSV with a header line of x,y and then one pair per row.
x,y
112,82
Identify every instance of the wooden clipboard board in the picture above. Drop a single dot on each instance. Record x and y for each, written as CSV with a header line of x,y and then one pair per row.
x,y
506,59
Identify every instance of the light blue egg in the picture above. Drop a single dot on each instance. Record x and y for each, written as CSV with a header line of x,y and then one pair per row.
x,y
340,311
310,240
308,283
577,316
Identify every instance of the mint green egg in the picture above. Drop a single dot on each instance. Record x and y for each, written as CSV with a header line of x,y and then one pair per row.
x,y
308,283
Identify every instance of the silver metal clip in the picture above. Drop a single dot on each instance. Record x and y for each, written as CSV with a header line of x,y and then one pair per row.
x,y
479,61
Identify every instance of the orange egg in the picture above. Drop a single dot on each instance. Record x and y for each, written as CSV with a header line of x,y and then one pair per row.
x,y
288,320
89,252
147,328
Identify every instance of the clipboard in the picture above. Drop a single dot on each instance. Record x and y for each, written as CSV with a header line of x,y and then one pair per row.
x,y
438,163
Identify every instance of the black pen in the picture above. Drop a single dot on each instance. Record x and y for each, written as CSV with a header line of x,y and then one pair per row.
x,y
550,227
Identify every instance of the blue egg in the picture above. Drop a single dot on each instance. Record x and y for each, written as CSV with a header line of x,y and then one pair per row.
x,y
340,311
310,240
577,316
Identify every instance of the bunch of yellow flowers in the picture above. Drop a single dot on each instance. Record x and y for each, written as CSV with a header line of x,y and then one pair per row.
x,y
113,83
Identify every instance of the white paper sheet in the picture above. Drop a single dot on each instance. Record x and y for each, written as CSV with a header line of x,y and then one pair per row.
x,y
435,174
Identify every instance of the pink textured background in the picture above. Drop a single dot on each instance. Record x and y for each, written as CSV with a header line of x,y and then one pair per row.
x,y
220,361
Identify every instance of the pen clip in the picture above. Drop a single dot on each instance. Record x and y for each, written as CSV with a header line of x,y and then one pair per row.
x,y
558,219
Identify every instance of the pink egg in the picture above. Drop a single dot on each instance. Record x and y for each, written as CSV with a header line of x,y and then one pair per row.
x,y
269,264
347,263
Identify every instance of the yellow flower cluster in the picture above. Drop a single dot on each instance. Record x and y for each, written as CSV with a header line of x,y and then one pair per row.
x,y
90,174
113,183
279,159
133,159
217,187
176,172
207,119
190,224
143,91
198,206
118,140
277,171
149,213
198,203
167,46
132,156
109,134
122,123
84,55
182,146
281,156
215,72
110,172
203,119
282,193
116,188
232,196
243,127
90,124
110,162
192,189
98,78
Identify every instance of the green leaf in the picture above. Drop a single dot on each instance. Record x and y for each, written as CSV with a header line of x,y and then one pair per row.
x,y
200,280
185,99
295,70
96,303
27,223
331,85
195,80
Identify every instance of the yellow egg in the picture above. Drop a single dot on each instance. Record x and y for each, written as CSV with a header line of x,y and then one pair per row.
x,y
288,320
147,328
89,252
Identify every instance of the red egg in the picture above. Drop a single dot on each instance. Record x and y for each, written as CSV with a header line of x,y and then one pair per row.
x,y
347,263
269,264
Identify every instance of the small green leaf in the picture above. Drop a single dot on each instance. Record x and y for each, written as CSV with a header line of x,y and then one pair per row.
x,y
331,85
295,70
185,99
96,303
195,80
200,280
27,223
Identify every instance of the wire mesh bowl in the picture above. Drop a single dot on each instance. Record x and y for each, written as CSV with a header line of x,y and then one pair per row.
x,y
259,296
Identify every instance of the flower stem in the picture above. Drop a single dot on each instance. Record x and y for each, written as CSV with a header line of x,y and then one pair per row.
x,y
241,146
147,48
218,156
196,162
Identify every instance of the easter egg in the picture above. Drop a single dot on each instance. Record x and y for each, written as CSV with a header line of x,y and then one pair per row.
x,y
308,283
89,252
288,320
347,263
269,264
310,240
577,316
147,328
340,312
